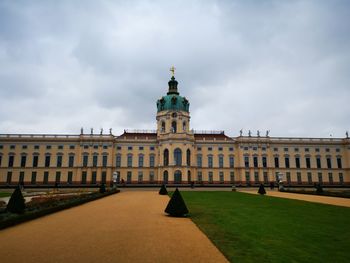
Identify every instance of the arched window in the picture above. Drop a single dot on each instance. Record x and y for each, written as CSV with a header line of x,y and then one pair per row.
x,y
173,126
178,157
188,157
163,126
184,126
166,157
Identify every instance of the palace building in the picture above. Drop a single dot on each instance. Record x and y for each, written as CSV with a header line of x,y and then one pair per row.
x,y
171,154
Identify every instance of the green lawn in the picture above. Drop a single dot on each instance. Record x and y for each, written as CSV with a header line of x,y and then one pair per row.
x,y
5,194
253,228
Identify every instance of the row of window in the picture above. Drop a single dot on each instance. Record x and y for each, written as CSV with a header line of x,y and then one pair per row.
x,y
59,147
220,148
286,149
307,162
141,148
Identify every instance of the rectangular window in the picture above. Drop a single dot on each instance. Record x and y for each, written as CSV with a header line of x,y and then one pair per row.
x,y
320,180
266,178
220,148
35,160
119,147
140,160
341,178
86,146
286,161
221,177
255,148
210,148
59,160
60,147
199,160
232,177
286,149
255,161
199,177
210,161
103,177
70,177
118,160
58,177
151,177
0,160
141,148
299,177
47,160
33,180
232,162
308,162
329,163
85,160
72,147
105,147
46,177
309,178
277,176
264,161
256,177
93,177
288,177
1,146
95,146
151,160
275,149
231,149
297,162
12,147
104,160
83,177
210,177
129,160
140,177
330,178
307,149
48,147
23,160
71,160
327,150
246,161
247,178
296,149
318,162
277,163
129,148
339,164
128,177
21,177
151,148
199,148
9,177
221,161
11,160
94,160
317,149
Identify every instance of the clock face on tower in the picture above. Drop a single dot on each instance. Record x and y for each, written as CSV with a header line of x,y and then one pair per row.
x,y
174,115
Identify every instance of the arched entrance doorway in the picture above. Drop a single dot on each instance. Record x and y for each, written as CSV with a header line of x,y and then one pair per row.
x,y
165,177
177,177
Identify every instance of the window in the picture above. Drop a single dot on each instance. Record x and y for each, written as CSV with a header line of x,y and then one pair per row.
x,y
70,177
0,159
23,160
60,147
129,160
163,126
151,176
308,162
266,178
199,148
199,160
232,177
35,160
105,147
71,160
72,147
220,148
210,177
327,150
199,177
246,148
297,162
307,149
95,147
188,157
48,147
318,162
341,178
9,177
255,161
299,177
58,177
232,162
140,160
119,147
286,161
317,149
210,148
320,180
255,148
24,147
93,177
173,126
129,148
221,161
165,177
46,177
86,146
141,148
231,149
83,177
256,177
104,160
184,126
286,149
21,178
221,177
11,160
329,163
103,177
118,160
337,150
59,160
264,161
151,160
263,149
33,179
85,160
140,177
330,178
247,178
275,149
1,146
47,160
339,164
210,161
309,178
178,157
166,157
296,149
151,148
128,177
288,177
277,163
12,147
94,160
246,161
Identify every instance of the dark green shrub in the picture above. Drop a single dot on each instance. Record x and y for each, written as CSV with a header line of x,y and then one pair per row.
x,y
102,188
176,205
163,190
319,189
17,203
261,189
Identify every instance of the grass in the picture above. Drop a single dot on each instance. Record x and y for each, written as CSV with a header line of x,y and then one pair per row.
x,y
253,228
5,194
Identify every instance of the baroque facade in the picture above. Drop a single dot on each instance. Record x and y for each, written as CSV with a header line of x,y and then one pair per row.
x,y
172,154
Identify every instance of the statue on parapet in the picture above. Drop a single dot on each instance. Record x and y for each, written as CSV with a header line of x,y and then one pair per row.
x,y
101,132
258,133
267,133
249,133
81,131
347,134
110,131
92,131
241,132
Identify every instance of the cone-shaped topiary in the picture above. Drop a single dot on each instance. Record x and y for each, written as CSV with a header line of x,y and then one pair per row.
x,y
176,205
163,190
16,203
261,189
102,188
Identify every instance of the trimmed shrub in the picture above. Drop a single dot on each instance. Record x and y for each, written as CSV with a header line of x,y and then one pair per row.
x,y
163,190
176,206
261,189
17,203
102,188
319,189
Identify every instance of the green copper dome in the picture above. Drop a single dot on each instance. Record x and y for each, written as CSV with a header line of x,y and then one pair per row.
x,y
173,101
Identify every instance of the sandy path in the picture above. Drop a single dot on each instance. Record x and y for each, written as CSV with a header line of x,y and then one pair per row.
x,y
127,227
310,198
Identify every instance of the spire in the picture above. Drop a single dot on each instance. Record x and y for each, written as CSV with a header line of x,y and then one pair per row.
x,y
172,83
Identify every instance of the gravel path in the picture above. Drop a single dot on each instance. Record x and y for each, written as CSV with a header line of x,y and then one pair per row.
x,y
128,227
310,198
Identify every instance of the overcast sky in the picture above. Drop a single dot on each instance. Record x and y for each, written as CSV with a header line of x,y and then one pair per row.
x,y
279,65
